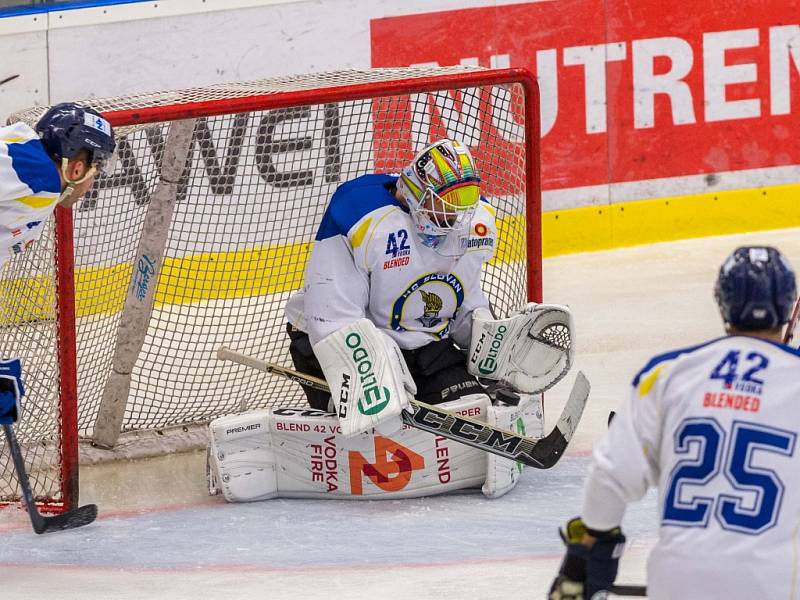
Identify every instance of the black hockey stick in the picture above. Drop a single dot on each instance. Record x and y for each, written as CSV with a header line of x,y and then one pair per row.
x,y
41,524
7,79
538,453
629,590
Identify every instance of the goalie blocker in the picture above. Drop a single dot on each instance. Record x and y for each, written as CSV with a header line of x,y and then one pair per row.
x,y
368,376
302,453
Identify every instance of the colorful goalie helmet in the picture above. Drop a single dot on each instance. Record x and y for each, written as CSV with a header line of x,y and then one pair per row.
x,y
67,128
442,189
756,288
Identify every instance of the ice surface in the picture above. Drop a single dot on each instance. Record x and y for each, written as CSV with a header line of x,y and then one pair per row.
x,y
160,536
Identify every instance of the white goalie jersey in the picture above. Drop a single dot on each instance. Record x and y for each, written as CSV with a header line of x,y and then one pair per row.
x,y
368,262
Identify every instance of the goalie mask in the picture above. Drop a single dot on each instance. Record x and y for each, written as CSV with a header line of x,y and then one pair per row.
x,y
442,189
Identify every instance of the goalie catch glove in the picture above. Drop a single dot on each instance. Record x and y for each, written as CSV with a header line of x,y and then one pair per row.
x,y
11,391
587,572
531,351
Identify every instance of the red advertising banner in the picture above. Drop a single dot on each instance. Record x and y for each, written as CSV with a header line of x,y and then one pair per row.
x,y
632,90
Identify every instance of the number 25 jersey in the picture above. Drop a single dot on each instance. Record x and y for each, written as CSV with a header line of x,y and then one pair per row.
x,y
715,427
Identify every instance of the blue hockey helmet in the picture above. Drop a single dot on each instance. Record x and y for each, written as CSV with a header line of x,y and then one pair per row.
x,y
756,288
67,128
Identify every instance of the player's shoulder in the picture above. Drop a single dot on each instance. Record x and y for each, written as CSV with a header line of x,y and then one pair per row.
x,y
690,356
30,164
356,199
660,362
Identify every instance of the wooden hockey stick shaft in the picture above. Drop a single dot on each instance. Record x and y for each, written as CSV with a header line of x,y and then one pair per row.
x,y
41,524
540,453
792,324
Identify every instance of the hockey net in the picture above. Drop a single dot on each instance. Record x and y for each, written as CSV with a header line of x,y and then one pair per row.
x,y
262,160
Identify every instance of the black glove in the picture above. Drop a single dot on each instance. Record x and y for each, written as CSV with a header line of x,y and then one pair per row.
x,y
587,570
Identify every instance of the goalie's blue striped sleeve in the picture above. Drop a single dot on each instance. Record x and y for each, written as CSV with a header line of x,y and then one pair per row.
x,y
353,200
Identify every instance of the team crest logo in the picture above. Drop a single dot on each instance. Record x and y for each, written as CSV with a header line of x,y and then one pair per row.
x,y
481,230
433,304
435,309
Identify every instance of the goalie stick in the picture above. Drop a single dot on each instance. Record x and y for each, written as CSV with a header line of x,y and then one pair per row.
x,y
538,453
41,524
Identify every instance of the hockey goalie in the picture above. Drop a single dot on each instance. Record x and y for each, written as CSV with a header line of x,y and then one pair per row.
x,y
392,309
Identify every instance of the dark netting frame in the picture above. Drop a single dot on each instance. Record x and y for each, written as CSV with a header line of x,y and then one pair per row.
x,y
264,159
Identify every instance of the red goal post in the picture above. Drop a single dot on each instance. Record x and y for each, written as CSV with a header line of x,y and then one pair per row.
x,y
201,234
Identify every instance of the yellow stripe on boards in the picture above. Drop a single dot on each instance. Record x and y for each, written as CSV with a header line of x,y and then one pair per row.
x,y
216,276
279,268
27,300
201,277
101,289
511,240
645,222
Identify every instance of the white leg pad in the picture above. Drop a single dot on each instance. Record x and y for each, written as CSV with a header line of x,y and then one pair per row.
x,y
301,453
241,459
527,418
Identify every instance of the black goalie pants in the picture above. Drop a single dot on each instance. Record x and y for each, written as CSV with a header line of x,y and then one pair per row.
x,y
439,369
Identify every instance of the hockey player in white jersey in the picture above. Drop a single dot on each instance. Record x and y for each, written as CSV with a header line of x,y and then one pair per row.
x,y
392,301
714,427
55,164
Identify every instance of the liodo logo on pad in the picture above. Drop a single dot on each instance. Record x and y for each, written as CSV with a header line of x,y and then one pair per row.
x,y
373,401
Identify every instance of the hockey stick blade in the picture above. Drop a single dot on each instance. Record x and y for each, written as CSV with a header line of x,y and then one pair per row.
x,y
539,453
83,515
629,590
69,520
